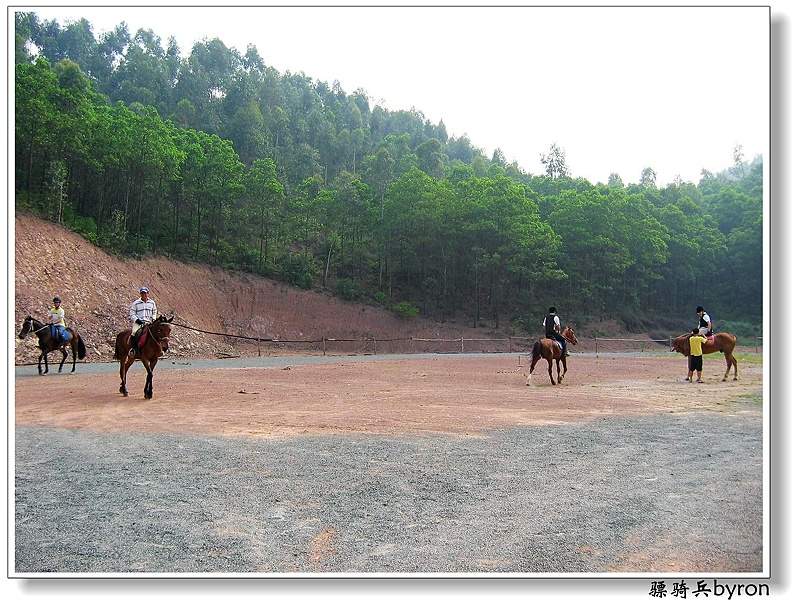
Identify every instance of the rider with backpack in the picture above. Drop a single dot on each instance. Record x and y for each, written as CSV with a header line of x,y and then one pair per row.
x,y
552,329
704,324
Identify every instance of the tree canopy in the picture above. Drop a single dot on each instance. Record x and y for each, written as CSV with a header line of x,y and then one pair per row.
x,y
217,157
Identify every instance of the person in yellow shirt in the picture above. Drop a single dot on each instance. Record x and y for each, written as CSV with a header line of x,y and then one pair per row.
x,y
696,342
56,316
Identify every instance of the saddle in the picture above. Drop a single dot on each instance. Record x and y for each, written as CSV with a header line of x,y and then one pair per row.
x,y
60,335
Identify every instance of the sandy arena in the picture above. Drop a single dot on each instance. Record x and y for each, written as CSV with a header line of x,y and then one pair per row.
x,y
447,394
434,464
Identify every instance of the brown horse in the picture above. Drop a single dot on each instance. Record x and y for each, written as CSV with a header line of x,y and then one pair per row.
x,y
550,350
47,343
720,342
154,342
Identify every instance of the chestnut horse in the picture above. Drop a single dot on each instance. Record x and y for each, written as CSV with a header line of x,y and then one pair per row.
x,y
47,343
154,342
720,342
550,350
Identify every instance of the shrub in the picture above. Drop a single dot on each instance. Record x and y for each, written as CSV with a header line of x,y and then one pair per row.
x,y
347,289
406,310
298,269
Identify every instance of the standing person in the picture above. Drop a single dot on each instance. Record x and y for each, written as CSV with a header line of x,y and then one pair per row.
x,y
704,324
552,329
142,312
57,324
696,342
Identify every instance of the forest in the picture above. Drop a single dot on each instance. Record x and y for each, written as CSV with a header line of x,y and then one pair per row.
x,y
216,157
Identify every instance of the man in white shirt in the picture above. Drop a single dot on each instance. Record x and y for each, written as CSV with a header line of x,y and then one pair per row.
x,y
704,324
142,311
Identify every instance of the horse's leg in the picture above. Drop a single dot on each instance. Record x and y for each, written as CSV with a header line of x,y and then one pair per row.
x,y
533,364
735,367
148,382
63,358
550,370
39,365
124,364
74,348
558,370
150,377
564,372
46,367
728,363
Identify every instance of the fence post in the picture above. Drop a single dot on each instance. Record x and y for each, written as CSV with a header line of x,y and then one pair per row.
x,y
462,344
509,345
596,353
258,343
323,345
374,346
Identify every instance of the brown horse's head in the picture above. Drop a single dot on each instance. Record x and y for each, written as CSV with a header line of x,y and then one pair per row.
x,y
27,327
569,335
680,344
161,329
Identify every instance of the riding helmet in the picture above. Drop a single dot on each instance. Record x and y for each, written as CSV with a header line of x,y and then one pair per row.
x,y
56,299
552,309
699,309
143,290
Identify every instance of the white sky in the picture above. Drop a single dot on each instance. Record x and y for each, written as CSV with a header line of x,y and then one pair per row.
x,y
618,89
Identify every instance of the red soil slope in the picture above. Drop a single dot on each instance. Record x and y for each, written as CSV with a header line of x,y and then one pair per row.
x,y
97,290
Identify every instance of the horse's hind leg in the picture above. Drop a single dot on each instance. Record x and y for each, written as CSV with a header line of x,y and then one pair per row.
x,y
63,358
564,372
124,365
533,364
735,367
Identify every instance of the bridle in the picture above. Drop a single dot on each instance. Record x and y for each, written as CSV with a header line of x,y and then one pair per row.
x,y
29,323
152,333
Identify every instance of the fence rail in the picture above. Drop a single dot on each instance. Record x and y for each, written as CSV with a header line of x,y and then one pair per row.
x,y
459,345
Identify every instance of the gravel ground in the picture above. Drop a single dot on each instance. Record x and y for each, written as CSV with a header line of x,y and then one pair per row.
x,y
661,493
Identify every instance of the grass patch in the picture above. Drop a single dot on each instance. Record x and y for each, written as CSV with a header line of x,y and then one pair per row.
x,y
751,358
756,398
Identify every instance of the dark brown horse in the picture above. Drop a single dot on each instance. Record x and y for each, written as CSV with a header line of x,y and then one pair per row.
x,y
719,342
550,350
154,342
47,343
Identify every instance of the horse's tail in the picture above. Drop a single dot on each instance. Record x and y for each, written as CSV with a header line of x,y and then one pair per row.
x,y
536,351
81,347
119,348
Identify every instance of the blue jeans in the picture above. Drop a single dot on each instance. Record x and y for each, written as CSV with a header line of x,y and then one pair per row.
x,y
58,333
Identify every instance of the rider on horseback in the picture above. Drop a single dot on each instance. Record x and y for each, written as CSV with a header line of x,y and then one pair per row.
x,y
57,324
704,323
142,312
552,329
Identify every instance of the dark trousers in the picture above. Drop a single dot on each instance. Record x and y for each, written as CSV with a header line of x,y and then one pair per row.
x,y
560,339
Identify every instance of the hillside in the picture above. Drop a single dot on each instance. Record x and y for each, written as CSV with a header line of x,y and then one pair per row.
x,y
97,289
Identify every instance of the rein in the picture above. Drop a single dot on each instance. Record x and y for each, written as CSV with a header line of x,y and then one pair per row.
x,y
42,328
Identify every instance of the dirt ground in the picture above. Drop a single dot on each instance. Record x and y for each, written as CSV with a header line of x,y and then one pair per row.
x,y
453,395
